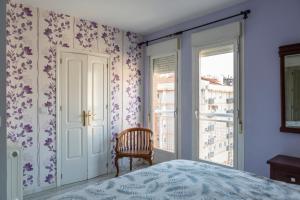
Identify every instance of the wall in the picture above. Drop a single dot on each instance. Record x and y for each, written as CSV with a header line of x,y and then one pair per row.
x,y
271,24
32,38
3,160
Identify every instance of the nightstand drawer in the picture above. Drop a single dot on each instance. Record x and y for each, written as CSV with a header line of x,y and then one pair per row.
x,y
285,168
286,176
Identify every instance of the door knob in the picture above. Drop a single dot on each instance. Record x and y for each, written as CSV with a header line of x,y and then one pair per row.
x,y
88,116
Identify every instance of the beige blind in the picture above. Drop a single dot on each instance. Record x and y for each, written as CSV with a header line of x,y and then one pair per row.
x,y
165,64
219,34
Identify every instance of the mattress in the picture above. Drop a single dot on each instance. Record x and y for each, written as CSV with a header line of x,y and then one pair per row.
x,y
183,179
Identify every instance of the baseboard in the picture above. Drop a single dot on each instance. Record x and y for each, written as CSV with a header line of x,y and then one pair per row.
x,y
38,189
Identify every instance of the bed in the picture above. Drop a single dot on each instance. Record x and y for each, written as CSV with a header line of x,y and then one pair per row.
x,y
183,179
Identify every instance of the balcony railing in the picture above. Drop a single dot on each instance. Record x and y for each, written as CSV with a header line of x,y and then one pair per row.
x,y
164,130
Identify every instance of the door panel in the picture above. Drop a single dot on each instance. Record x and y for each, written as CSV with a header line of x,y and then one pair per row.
x,y
97,138
74,97
99,87
73,102
74,143
97,105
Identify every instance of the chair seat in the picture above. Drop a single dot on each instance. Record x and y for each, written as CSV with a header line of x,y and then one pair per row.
x,y
135,153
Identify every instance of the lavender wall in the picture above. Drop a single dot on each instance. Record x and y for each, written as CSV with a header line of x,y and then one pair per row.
x,y
271,24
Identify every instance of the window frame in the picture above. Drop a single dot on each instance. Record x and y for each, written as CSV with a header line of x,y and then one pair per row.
x,y
215,41
150,107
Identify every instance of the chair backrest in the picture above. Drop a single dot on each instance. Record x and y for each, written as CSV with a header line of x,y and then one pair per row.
x,y
134,139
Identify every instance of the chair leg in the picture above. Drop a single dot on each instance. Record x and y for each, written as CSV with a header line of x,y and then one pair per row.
x,y
150,161
130,164
117,165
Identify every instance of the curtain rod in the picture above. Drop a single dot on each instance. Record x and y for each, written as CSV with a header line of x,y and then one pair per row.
x,y
244,13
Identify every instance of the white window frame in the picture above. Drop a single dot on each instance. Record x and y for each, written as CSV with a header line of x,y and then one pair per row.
x,y
210,39
159,50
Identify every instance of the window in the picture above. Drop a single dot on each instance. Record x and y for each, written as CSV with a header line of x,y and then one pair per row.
x,y
163,102
163,93
216,102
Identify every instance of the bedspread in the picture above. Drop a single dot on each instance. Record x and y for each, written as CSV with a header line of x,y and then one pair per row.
x,y
183,179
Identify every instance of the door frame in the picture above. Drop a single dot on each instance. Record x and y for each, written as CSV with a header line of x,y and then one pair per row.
x,y
177,127
59,51
239,100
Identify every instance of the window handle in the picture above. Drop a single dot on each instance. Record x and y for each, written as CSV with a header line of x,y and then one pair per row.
x,y
240,127
197,114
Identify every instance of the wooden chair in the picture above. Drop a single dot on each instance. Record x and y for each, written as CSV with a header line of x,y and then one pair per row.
x,y
134,143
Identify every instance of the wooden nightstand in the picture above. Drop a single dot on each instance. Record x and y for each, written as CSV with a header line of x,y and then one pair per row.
x,y
285,168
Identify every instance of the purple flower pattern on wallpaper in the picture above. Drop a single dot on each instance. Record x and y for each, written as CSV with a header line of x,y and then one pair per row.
x,y
20,65
58,30
55,26
112,41
133,86
109,36
86,34
27,180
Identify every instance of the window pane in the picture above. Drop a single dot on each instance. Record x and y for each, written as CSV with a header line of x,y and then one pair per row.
x,y
163,104
216,103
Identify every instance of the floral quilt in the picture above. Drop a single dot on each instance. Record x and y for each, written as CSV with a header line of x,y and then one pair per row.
x,y
183,179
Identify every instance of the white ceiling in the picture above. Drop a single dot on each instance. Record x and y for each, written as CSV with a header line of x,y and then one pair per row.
x,y
141,16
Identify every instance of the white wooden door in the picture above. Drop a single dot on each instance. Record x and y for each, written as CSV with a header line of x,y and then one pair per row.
x,y
97,108
73,102
84,132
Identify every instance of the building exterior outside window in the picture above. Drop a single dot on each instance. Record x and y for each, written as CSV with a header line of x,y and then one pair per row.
x,y
216,120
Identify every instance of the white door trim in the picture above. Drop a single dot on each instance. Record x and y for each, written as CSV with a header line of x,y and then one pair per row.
x,y
59,51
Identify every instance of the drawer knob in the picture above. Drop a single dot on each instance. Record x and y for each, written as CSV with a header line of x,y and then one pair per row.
x,y
293,180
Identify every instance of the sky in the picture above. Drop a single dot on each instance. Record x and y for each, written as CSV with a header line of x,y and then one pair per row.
x,y
217,66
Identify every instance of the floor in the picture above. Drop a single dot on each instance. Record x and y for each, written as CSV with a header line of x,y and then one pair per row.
x,y
60,190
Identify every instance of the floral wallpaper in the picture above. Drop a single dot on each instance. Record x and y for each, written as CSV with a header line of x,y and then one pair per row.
x,y
55,30
111,39
112,44
133,71
86,35
33,36
21,88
